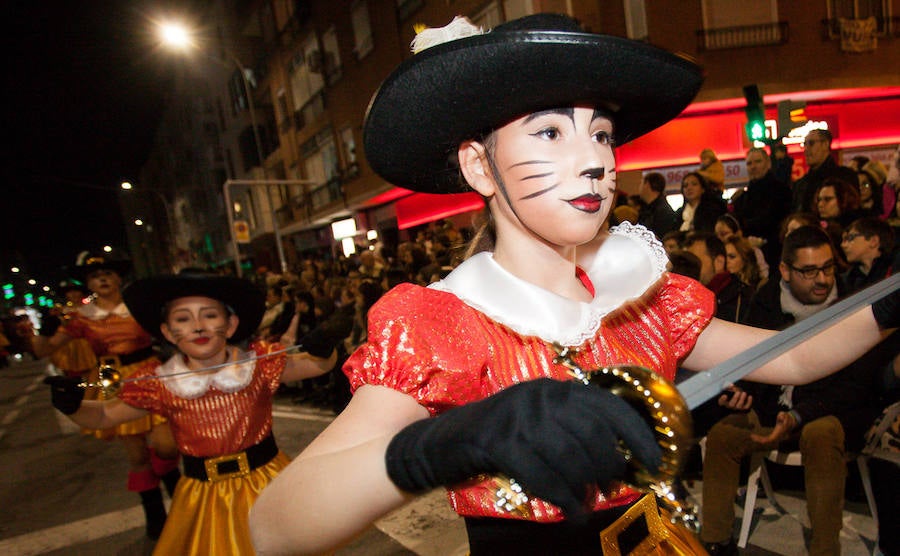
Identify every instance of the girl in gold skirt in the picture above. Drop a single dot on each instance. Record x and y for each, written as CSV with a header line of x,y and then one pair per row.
x,y
217,399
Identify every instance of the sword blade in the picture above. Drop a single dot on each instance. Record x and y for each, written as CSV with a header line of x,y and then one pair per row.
x,y
709,384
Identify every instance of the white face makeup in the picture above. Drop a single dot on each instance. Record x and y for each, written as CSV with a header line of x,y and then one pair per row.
x,y
557,174
103,281
199,327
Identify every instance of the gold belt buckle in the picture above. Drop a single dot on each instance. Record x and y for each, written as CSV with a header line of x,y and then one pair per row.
x,y
656,530
212,467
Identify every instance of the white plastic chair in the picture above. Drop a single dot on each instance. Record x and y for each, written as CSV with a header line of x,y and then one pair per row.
x,y
758,474
873,450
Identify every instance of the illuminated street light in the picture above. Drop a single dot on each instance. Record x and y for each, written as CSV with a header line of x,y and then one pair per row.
x,y
178,36
138,222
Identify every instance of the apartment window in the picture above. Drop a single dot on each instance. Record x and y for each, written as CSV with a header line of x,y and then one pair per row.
x,y
362,29
305,75
636,20
331,61
877,12
348,145
729,24
321,165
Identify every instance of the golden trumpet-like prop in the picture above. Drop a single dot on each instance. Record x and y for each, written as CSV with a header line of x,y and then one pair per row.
x,y
660,403
109,382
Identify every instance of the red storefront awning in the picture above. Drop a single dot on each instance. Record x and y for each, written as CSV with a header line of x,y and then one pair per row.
x,y
420,208
856,117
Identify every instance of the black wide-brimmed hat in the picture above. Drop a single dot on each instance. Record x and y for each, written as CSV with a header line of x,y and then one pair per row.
x,y
462,88
87,262
147,298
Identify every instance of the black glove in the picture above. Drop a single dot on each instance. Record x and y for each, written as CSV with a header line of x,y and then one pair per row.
x,y
554,438
887,310
65,393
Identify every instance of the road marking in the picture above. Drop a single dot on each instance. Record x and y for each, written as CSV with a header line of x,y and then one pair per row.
x,y
75,533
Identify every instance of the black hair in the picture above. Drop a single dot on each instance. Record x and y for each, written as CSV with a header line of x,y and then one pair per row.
x,y
804,237
656,181
870,226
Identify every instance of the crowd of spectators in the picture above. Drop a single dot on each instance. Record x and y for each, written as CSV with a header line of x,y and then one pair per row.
x,y
322,305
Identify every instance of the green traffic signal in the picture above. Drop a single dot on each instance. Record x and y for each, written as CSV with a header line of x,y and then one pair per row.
x,y
756,131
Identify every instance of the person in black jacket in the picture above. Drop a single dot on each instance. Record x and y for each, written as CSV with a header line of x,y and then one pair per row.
x,y
656,214
823,419
763,205
817,150
703,204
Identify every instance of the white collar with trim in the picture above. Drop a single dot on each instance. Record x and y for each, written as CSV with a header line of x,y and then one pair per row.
x,y
93,312
628,262
189,385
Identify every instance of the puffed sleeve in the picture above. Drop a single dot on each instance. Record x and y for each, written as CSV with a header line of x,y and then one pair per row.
x,y
270,367
689,306
142,389
424,343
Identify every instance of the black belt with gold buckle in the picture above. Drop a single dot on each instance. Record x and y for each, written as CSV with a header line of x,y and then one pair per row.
x,y
231,466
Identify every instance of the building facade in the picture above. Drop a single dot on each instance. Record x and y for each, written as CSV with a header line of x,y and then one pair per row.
x,y
304,72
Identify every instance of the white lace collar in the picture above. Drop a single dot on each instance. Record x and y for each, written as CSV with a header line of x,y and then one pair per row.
x,y
628,262
93,312
189,385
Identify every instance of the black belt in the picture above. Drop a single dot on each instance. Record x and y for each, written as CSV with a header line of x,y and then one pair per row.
x,y
231,465
121,360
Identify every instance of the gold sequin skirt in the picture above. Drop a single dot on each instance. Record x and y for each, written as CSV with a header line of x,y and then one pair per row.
x,y
213,517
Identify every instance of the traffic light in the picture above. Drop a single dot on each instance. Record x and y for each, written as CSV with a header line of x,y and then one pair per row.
x,y
791,114
8,291
756,114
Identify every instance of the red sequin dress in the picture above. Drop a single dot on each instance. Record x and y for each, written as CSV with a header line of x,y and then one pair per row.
x,y
482,329
213,414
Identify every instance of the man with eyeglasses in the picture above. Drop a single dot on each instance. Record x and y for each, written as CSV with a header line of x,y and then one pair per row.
x,y
868,245
817,152
823,419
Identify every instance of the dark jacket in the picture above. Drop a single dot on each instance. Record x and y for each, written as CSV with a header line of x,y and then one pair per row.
x,y
760,209
854,280
805,188
709,209
733,297
658,216
848,394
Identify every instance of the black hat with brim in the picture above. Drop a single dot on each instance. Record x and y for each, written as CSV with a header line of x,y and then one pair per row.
x,y
147,298
458,90
89,262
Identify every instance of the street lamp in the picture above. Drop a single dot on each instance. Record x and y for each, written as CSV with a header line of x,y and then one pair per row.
x,y
179,37
170,221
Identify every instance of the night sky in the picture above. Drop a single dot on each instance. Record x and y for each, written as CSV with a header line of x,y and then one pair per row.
x,y
84,91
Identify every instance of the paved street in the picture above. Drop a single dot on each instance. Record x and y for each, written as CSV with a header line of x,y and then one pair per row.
x,y
63,494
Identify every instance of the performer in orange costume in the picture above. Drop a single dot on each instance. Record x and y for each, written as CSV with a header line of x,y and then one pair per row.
x,y
119,341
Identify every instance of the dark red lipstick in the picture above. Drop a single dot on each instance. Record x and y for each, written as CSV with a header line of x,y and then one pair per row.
x,y
587,203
